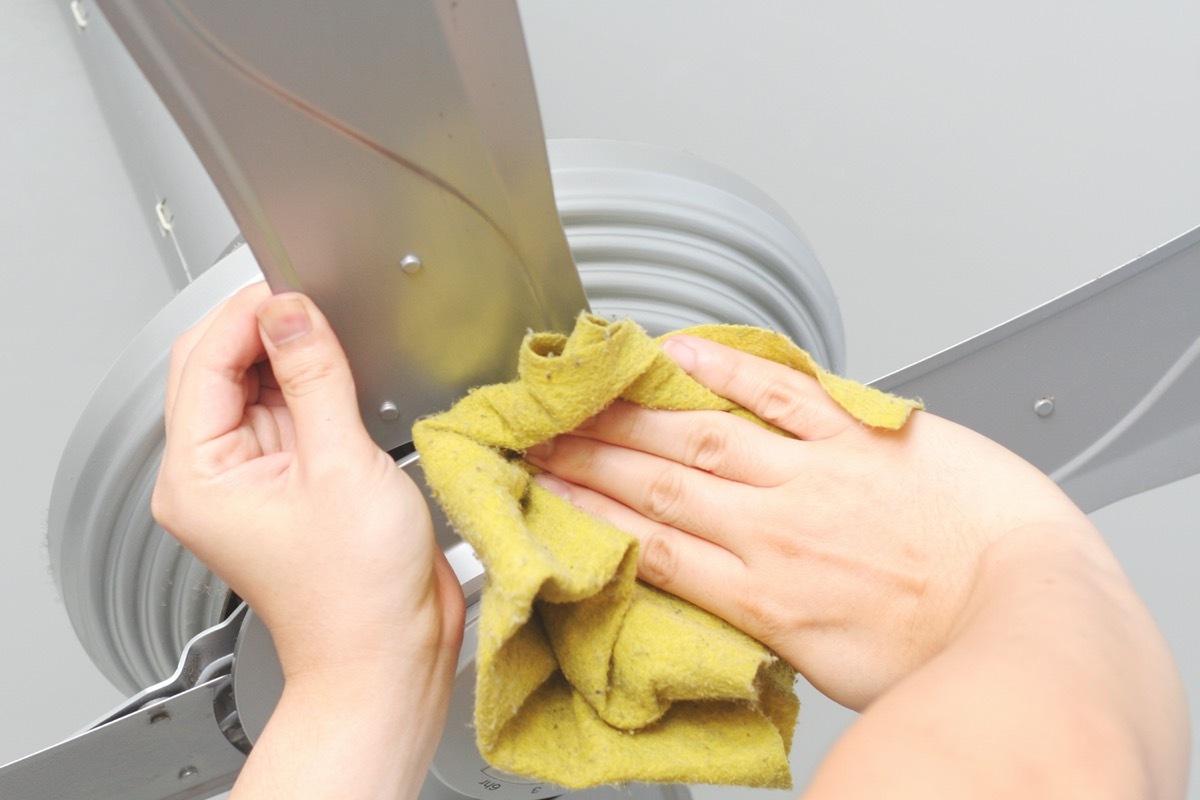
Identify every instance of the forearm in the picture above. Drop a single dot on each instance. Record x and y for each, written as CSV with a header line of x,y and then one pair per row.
x,y
366,734
1055,684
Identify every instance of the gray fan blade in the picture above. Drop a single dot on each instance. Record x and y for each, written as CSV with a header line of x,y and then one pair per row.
x,y
177,740
385,158
1099,388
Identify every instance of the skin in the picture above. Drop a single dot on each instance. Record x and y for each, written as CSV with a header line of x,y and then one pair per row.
x,y
270,478
928,577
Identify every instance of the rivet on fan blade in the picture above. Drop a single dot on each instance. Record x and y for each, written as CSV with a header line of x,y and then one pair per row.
x,y
1044,406
389,411
410,264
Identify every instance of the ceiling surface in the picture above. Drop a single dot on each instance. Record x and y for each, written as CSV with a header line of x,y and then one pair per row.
x,y
951,164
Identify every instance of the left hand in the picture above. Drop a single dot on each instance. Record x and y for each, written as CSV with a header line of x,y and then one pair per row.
x,y
270,478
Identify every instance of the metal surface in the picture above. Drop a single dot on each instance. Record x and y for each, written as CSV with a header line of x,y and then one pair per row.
x,y
257,677
172,741
160,163
419,135
208,655
1099,388
672,240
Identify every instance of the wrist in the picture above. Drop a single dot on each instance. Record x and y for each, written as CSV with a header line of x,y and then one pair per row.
x,y
1038,559
392,703
356,730
1052,661
371,644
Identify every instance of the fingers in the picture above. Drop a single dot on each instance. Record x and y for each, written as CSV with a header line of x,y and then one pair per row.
x,y
658,489
712,441
313,376
209,385
211,381
778,394
688,566
183,346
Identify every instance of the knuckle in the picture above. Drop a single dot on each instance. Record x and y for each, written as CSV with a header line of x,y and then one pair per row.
x,y
779,405
763,616
572,457
181,350
658,561
181,347
305,375
707,448
620,422
666,496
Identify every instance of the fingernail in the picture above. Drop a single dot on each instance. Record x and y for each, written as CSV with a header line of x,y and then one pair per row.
x,y
553,485
682,353
284,319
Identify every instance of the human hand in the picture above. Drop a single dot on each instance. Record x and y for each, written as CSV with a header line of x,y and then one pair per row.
x,y
270,478
850,551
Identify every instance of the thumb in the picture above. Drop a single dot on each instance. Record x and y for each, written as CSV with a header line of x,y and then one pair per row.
x,y
313,374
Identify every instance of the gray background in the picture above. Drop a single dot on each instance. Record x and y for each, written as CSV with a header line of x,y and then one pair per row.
x,y
951,164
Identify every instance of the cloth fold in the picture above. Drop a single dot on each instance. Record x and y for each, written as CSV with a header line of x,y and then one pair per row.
x,y
586,675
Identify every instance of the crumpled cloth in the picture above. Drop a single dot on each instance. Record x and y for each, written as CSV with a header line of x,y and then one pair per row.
x,y
585,675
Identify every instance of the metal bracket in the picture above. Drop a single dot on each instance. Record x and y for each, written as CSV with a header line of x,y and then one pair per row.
x,y
176,740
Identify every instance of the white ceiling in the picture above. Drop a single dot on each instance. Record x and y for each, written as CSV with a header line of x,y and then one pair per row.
x,y
951,164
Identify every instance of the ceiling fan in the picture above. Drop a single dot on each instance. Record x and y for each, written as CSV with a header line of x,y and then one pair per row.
x,y
705,245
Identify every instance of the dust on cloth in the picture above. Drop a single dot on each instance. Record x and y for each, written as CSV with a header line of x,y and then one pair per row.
x,y
585,675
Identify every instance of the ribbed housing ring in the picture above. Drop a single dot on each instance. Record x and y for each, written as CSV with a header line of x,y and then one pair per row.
x,y
134,595
672,240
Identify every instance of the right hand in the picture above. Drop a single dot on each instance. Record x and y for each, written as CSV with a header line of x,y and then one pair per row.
x,y
850,551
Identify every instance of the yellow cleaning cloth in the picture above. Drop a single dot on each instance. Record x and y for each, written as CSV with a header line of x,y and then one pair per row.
x,y
586,675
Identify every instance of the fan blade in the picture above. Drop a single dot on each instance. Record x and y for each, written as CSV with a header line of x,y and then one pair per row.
x,y
385,158
176,740
1099,388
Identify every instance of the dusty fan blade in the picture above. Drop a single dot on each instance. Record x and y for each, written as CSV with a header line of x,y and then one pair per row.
x,y
385,158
